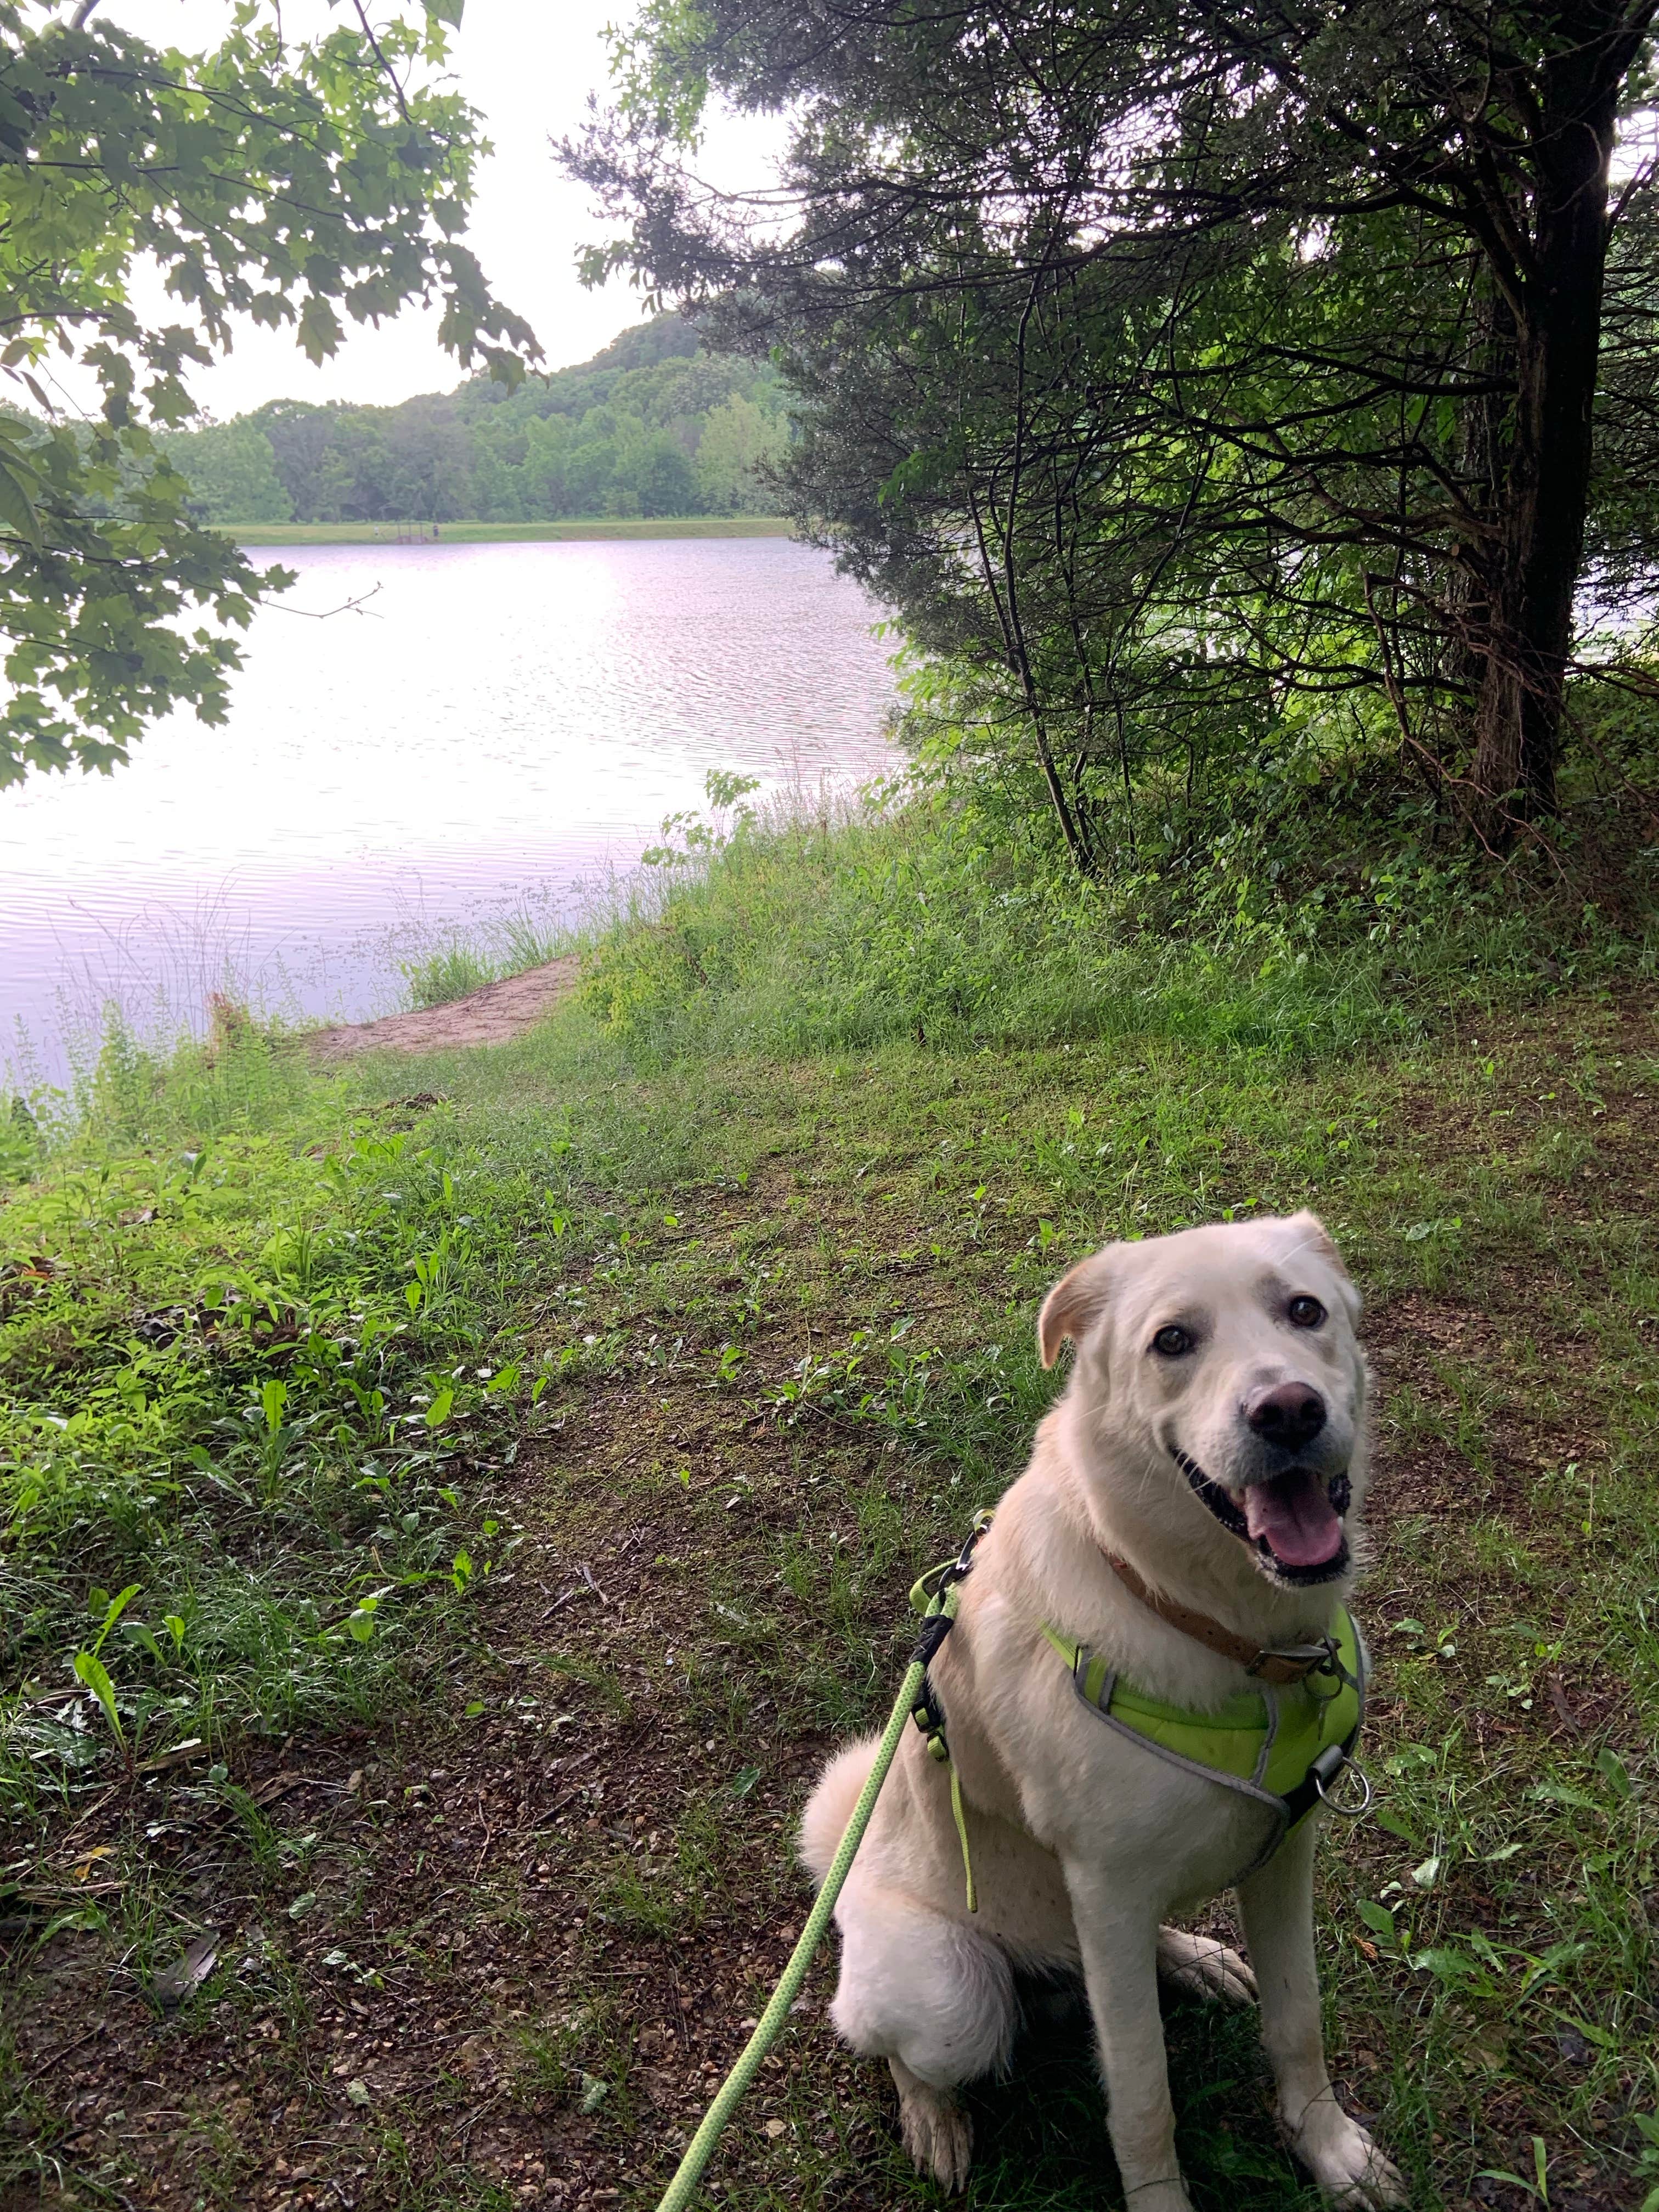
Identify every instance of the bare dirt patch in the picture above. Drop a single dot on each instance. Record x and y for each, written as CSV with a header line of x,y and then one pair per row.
x,y
494,1015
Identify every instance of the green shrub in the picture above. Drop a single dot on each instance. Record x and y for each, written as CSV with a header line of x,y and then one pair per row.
x,y
242,1376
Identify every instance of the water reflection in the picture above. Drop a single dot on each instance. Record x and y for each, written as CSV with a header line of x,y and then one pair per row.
x,y
499,727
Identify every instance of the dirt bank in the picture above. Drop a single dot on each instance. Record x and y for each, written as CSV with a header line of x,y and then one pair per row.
x,y
490,1016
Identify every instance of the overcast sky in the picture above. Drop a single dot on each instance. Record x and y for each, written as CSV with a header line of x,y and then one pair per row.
x,y
528,70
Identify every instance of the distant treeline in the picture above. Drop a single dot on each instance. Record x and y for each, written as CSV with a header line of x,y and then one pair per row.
x,y
652,426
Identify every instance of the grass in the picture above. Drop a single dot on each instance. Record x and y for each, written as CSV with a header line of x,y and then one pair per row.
x,y
722,1313
270,1338
469,960
817,932
513,533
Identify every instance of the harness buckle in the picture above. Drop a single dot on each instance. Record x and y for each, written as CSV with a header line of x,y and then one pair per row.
x,y
1319,1658
1324,1773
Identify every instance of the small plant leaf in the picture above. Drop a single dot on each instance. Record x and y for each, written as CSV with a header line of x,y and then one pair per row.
x,y
1396,1827
1558,1793
91,1670
1611,1768
144,1637
80,1920
1447,1964
16,508
1603,2036
118,1605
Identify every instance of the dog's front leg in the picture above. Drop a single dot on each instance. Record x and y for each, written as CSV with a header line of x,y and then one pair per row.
x,y
1119,1944
1277,1906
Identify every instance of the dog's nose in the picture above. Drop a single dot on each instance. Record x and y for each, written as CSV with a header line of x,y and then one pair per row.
x,y
1291,1414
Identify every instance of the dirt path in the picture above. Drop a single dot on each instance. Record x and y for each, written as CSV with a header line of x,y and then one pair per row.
x,y
490,1016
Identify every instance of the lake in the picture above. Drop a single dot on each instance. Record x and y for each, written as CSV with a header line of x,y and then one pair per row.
x,y
497,732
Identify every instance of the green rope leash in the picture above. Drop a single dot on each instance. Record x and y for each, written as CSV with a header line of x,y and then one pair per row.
x,y
679,2192
935,1597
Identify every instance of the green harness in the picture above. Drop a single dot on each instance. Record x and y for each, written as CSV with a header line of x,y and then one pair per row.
x,y
1283,1746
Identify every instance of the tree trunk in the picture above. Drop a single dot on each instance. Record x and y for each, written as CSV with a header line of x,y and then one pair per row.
x,y
1542,492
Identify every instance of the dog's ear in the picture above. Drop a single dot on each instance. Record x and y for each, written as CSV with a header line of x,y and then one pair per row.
x,y
1075,1302
1310,1235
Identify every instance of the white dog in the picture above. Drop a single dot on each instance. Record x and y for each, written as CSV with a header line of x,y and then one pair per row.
x,y
1190,1510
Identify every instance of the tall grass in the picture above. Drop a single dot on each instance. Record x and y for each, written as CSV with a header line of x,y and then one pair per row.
x,y
830,928
464,961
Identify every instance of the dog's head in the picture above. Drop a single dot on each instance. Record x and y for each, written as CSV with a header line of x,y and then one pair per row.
x,y
1225,1360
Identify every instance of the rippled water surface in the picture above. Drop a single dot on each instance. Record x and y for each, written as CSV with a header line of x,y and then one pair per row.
x,y
499,728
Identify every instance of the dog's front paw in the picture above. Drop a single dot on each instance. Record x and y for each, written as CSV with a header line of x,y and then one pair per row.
x,y
1345,2161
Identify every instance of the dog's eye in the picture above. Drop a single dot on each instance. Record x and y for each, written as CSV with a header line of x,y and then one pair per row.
x,y
1305,1313
1172,1341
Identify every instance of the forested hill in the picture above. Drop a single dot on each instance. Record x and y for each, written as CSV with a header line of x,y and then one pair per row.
x,y
652,426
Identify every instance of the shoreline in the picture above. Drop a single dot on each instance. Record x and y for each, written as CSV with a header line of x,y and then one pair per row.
x,y
509,533
493,1014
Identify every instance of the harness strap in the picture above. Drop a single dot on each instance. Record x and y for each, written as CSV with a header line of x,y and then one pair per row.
x,y
1096,1684
1293,1663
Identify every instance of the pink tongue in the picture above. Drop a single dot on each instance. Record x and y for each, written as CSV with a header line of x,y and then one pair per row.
x,y
1298,1520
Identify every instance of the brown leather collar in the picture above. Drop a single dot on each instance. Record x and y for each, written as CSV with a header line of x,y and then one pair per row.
x,y
1294,1664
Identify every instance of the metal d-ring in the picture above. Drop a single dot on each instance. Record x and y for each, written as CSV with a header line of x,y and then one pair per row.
x,y
1328,1768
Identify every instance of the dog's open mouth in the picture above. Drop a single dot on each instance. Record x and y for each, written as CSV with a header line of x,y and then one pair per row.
x,y
1293,1519
1292,1516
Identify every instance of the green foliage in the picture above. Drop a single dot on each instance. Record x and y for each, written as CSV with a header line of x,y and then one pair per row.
x,y
466,962
293,181
739,439
933,914
652,426
240,1375
232,471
